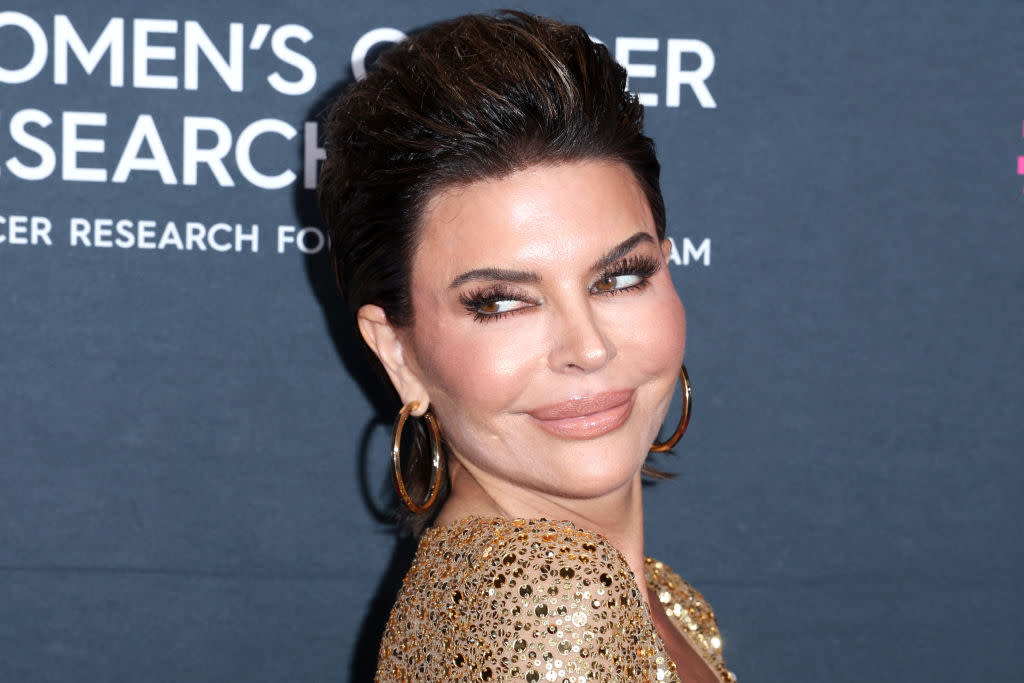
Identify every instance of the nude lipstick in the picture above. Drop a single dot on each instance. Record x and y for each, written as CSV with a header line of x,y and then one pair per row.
x,y
586,417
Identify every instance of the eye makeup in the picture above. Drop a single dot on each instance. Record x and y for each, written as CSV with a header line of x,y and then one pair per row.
x,y
486,304
499,300
640,267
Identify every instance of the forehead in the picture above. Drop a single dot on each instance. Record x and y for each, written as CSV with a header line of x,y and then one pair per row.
x,y
544,215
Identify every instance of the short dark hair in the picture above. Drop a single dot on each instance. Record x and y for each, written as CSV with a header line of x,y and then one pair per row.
x,y
476,97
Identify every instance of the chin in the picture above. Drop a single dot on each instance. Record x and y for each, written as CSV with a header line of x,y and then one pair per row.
x,y
593,471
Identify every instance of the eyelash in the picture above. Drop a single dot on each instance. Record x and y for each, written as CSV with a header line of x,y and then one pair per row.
x,y
642,266
474,301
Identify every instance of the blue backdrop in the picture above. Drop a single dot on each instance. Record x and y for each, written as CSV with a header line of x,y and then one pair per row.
x,y
192,450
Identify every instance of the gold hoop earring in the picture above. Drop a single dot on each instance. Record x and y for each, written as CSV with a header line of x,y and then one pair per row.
x,y
684,419
396,458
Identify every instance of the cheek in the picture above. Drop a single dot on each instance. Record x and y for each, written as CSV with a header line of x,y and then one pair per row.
x,y
656,334
474,366
673,331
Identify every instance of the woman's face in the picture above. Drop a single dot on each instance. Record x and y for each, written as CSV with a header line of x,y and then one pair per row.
x,y
548,334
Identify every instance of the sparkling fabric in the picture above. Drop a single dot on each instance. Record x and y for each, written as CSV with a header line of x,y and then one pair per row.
x,y
534,600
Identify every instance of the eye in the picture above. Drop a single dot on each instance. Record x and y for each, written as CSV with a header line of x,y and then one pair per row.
x,y
495,303
498,306
611,283
631,274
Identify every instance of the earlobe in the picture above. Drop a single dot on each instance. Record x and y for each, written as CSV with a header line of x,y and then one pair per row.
x,y
386,343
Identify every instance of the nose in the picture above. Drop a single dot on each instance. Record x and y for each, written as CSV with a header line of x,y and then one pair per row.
x,y
580,342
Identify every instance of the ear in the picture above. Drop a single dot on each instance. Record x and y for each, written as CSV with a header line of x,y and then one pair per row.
x,y
666,248
385,342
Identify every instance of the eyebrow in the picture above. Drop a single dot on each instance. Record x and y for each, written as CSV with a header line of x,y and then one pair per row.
x,y
500,274
623,248
525,276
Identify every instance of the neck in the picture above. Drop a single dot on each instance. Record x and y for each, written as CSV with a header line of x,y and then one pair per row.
x,y
617,515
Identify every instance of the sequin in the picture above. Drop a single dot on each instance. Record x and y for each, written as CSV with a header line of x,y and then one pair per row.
x,y
532,600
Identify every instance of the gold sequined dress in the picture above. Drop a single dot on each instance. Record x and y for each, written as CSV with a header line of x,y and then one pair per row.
x,y
535,600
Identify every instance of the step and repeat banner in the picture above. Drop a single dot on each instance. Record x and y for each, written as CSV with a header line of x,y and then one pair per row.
x,y
193,447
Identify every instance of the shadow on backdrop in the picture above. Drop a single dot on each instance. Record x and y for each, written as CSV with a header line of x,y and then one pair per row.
x,y
378,496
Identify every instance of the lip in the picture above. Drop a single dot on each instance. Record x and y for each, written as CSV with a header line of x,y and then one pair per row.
x,y
586,417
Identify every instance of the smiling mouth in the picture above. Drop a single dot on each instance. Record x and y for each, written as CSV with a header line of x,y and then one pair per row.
x,y
587,417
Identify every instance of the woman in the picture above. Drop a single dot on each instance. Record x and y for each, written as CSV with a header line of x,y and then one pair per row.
x,y
498,230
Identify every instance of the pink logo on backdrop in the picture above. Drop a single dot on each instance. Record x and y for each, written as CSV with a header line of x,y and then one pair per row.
x,y
1020,161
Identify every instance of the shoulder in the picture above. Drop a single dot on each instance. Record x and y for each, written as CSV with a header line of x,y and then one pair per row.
x,y
541,544
562,603
687,607
553,556
511,559
533,599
